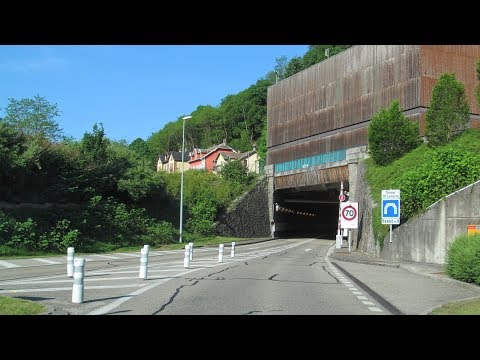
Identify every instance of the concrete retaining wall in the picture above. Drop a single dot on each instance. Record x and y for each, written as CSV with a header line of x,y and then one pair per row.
x,y
426,237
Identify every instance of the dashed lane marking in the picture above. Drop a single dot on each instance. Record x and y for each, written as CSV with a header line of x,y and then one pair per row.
x,y
8,264
51,262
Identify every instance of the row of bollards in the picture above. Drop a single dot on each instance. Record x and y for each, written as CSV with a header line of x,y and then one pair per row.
x,y
76,267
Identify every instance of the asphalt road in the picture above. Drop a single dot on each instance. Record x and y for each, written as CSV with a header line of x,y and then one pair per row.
x,y
283,276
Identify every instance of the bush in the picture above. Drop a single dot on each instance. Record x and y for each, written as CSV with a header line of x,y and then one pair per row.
x,y
449,111
60,238
463,259
391,135
24,235
159,233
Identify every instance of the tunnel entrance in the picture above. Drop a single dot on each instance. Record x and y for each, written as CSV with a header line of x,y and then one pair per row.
x,y
310,211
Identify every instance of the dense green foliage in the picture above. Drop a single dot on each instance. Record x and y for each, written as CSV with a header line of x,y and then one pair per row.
x,y
425,175
234,171
477,87
449,112
391,135
463,259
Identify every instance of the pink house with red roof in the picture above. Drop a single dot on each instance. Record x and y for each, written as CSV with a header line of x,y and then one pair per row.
x,y
202,159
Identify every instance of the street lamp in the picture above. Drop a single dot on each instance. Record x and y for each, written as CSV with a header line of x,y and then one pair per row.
x,y
181,182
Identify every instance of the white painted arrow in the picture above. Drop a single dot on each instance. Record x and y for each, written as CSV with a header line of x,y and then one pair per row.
x,y
389,205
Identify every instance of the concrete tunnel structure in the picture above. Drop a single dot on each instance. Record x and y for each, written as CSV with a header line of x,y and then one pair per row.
x,y
317,122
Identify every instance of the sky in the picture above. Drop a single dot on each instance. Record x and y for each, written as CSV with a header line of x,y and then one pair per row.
x,y
133,90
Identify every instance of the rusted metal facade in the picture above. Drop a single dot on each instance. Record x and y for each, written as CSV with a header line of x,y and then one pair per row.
x,y
308,178
328,106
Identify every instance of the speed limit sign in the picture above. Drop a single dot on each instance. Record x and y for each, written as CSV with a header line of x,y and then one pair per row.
x,y
349,215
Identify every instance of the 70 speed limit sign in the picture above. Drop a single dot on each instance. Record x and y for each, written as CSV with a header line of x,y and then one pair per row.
x,y
349,215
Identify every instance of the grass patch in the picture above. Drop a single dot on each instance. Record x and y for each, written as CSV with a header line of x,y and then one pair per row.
x,y
466,307
14,306
394,176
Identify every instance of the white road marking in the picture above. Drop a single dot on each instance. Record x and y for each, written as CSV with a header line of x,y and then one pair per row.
x,y
107,256
128,254
356,292
349,285
69,288
308,249
47,261
368,303
362,297
8,264
374,309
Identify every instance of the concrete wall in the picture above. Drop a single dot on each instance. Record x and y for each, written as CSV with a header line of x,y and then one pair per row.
x,y
426,237
248,216
362,239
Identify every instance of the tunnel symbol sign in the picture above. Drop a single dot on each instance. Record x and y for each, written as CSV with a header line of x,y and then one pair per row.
x,y
349,215
390,206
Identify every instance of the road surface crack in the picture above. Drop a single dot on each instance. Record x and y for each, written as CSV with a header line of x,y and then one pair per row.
x,y
314,263
271,277
259,311
338,281
218,272
177,291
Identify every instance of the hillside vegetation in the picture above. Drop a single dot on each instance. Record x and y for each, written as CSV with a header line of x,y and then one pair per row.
x,y
424,176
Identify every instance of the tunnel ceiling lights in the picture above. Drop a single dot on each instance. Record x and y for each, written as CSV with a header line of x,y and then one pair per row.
x,y
290,211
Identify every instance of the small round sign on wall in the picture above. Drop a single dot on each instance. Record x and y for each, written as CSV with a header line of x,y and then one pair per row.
x,y
342,197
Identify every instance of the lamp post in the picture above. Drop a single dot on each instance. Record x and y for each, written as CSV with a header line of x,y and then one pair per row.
x,y
181,181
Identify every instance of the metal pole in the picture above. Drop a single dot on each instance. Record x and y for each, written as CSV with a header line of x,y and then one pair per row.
x,y
339,237
390,232
181,182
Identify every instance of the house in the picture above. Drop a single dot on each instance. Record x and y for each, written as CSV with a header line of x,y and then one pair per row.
x,y
222,158
162,162
175,161
202,159
250,161
172,162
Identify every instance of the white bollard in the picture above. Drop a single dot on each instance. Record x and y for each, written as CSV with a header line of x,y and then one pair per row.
x,y
186,259
147,248
220,253
70,258
143,263
338,243
232,252
78,275
191,250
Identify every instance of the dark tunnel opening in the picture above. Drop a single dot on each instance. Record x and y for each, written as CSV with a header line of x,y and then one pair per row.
x,y
308,212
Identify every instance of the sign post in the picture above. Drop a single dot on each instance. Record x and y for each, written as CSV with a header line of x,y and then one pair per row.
x,y
349,217
390,208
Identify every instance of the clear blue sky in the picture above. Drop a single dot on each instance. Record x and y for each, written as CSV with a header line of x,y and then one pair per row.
x,y
133,90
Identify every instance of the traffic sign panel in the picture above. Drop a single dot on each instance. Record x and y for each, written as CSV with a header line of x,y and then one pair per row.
x,y
349,215
390,207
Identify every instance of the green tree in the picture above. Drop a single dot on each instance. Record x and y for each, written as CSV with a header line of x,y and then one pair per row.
x,y
140,147
34,117
477,88
391,134
294,66
449,111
